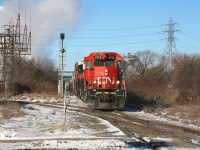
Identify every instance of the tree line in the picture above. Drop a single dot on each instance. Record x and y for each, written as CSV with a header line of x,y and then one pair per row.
x,y
32,76
149,80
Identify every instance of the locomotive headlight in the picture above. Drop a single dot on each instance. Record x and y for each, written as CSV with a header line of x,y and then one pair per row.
x,y
98,57
106,72
95,82
118,82
111,57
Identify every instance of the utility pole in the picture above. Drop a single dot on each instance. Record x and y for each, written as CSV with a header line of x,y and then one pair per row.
x,y
170,49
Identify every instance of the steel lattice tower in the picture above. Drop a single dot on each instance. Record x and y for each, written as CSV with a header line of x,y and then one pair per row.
x,y
170,49
13,44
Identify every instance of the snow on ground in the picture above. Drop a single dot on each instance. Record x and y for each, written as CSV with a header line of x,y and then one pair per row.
x,y
51,129
167,120
47,125
75,144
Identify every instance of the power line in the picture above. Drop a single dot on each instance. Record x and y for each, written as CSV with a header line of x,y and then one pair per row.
x,y
98,29
186,48
190,37
189,45
105,37
188,29
98,45
119,29
110,37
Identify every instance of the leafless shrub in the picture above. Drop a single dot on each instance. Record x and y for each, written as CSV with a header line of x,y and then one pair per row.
x,y
35,75
186,79
155,106
151,83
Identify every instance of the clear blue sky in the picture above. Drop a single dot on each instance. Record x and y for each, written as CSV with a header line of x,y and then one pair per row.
x,y
117,25
129,26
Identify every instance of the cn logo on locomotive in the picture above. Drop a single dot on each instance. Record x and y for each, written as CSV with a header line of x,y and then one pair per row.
x,y
104,80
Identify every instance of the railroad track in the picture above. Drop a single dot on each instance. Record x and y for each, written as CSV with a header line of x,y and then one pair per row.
x,y
156,129
145,131
130,139
137,129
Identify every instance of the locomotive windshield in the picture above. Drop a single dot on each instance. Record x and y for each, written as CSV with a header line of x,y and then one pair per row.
x,y
99,63
104,63
110,63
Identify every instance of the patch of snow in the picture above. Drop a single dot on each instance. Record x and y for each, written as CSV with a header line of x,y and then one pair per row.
x,y
137,123
194,141
50,123
76,144
137,135
7,134
111,129
74,101
149,139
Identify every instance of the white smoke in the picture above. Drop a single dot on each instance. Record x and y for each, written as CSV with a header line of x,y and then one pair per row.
x,y
1,9
48,19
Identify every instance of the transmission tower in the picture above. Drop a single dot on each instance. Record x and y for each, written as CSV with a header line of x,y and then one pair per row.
x,y
170,49
13,44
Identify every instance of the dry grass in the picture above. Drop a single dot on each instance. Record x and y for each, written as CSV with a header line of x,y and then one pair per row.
x,y
193,114
33,96
188,114
62,127
3,94
9,110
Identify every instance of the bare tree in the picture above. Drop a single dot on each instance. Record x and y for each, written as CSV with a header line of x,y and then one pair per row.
x,y
148,59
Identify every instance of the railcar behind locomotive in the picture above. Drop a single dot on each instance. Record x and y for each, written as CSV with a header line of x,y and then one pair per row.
x,y
100,80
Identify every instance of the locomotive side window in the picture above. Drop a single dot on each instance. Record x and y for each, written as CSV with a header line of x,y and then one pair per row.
x,y
110,63
89,64
99,63
120,68
119,64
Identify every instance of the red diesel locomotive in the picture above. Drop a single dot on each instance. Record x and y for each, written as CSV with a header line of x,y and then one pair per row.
x,y
100,80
